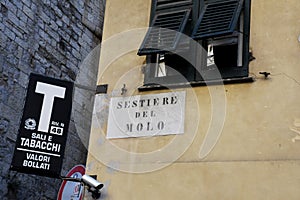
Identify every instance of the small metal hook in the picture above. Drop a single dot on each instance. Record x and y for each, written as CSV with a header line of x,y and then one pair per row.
x,y
123,89
266,74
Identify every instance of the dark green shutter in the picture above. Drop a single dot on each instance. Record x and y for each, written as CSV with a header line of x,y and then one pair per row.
x,y
217,18
164,33
166,4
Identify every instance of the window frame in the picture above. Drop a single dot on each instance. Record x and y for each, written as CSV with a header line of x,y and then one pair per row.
x,y
194,78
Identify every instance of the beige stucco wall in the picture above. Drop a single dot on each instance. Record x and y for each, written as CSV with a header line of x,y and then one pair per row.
x,y
257,153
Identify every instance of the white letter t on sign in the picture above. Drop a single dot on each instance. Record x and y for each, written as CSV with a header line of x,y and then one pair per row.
x,y
49,92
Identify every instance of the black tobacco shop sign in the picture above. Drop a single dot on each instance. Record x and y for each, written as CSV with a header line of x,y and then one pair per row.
x,y
43,129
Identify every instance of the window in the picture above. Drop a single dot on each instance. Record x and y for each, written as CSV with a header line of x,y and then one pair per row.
x,y
222,28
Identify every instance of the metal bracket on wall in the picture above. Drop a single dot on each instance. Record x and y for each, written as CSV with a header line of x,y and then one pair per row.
x,y
101,89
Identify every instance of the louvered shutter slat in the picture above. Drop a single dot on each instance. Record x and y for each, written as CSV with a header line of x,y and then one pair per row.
x,y
218,18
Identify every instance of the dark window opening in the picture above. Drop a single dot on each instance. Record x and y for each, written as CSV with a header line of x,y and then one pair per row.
x,y
170,65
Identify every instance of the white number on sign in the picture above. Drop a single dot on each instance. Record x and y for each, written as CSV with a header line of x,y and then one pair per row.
x,y
56,130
